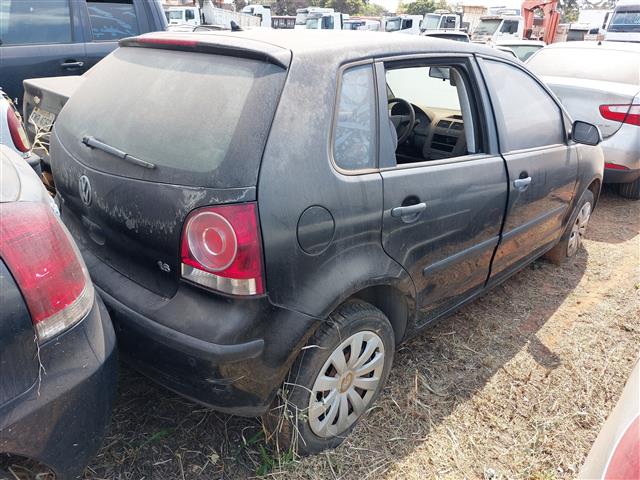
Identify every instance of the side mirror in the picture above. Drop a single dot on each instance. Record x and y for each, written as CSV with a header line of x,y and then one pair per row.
x,y
583,132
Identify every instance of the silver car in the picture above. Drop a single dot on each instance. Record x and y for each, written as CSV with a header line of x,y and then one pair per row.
x,y
600,83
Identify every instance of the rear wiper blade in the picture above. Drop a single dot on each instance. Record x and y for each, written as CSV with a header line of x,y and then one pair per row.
x,y
91,142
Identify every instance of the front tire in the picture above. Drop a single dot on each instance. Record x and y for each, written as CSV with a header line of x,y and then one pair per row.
x,y
572,239
334,380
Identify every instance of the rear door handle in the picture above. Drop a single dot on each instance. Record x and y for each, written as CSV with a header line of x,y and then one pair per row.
x,y
71,64
408,210
521,184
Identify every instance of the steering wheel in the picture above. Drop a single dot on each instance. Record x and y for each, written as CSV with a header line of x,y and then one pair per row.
x,y
403,123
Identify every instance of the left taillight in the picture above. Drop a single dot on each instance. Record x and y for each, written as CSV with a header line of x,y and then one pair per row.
x,y
622,113
46,265
17,131
221,249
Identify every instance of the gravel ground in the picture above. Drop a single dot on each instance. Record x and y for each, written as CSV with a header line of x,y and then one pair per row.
x,y
515,385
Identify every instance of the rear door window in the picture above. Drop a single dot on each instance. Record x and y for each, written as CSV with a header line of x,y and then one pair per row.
x,y
112,19
34,22
202,119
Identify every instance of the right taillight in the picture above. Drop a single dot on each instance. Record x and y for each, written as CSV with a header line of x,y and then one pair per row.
x,y
46,265
221,249
622,113
17,131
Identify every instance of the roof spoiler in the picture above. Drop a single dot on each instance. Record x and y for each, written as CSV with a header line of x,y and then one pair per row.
x,y
215,44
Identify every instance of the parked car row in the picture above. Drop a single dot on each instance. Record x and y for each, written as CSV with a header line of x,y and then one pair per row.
x,y
233,264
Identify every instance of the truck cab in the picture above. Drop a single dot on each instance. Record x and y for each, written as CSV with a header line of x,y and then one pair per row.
x,y
325,21
302,14
441,20
410,24
261,11
624,25
497,28
183,16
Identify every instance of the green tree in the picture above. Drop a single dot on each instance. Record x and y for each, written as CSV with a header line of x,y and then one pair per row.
x,y
569,10
420,7
373,10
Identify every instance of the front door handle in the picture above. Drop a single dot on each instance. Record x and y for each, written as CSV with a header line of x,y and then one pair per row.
x,y
409,210
71,64
521,184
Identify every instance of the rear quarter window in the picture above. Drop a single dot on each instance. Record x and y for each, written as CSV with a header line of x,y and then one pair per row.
x,y
202,119
112,19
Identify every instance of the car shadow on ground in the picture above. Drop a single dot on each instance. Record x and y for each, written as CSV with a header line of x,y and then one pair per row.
x,y
157,434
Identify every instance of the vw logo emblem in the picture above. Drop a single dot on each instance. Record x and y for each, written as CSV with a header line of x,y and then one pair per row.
x,y
85,190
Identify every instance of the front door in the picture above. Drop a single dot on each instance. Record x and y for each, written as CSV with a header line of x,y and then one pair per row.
x,y
40,38
542,167
444,183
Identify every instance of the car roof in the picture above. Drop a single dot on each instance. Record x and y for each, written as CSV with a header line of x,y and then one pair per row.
x,y
323,44
620,46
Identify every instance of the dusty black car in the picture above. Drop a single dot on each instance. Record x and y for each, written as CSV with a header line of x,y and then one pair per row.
x,y
57,345
265,207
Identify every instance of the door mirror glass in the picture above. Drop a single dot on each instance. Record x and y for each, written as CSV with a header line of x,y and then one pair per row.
x,y
583,132
439,72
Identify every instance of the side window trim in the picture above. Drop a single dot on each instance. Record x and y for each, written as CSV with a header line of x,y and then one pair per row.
x,y
483,117
500,122
334,119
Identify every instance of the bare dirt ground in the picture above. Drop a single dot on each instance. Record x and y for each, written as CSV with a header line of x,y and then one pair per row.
x,y
515,385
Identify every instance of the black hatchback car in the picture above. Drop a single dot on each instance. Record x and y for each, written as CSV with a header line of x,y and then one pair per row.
x,y
265,207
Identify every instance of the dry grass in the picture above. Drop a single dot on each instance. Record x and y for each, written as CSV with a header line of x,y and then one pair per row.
x,y
515,385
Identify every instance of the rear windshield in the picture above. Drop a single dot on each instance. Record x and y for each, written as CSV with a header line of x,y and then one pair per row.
x,y
588,63
202,119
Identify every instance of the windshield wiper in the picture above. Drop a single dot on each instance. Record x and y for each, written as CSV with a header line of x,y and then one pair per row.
x,y
91,142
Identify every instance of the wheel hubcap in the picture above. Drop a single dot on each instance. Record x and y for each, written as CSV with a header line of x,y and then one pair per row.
x,y
346,384
579,229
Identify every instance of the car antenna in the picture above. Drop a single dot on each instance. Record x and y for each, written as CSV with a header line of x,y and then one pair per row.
x,y
235,27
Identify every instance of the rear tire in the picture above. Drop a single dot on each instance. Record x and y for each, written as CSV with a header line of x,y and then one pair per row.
x,y
329,389
571,240
631,189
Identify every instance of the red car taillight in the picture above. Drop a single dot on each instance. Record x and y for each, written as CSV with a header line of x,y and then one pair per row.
x,y
621,113
221,249
18,134
46,265
615,166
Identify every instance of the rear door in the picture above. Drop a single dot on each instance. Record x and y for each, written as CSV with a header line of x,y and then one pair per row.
x,y
190,134
542,165
445,187
39,38
107,21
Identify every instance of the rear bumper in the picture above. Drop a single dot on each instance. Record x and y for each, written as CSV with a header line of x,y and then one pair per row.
x,y
60,422
612,175
622,148
230,354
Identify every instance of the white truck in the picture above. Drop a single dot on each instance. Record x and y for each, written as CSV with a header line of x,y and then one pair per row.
x,y
624,25
179,18
326,21
303,13
263,12
441,20
183,16
498,28
409,24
